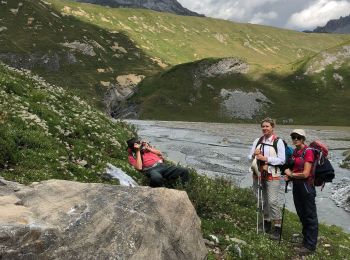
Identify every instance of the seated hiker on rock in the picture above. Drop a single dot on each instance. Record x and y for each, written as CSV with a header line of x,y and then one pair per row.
x,y
149,160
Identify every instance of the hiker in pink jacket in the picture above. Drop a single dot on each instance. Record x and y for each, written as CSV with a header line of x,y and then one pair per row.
x,y
149,161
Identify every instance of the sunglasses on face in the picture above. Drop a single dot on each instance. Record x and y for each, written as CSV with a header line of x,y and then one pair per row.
x,y
297,137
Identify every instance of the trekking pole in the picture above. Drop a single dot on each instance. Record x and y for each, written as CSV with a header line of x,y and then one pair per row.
x,y
284,206
262,207
260,203
257,207
262,194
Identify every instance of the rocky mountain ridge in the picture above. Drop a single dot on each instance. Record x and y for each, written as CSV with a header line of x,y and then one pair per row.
x,y
170,6
341,25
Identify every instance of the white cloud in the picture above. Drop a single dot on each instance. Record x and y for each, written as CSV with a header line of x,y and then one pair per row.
x,y
292,14
227,10
237,10
319,13
260,18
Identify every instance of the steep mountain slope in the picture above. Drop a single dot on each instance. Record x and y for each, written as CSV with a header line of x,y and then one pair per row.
x,y
64,50
224,90
170,6
179,39
102,53
341,25
46,132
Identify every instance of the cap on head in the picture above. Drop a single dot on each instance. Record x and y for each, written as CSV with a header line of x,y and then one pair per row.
x,y
132,141
299,132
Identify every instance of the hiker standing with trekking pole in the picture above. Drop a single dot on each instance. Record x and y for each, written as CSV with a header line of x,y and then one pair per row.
x,y
304,191
267,154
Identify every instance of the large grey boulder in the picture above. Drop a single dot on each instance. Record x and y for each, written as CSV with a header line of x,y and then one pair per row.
x,y
59,219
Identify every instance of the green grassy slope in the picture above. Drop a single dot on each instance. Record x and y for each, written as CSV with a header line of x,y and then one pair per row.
x,y
315,98
124,41
46,132
277,58
229,213
180,39
33,30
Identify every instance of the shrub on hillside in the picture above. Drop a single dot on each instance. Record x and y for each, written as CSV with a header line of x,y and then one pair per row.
x,y
7,148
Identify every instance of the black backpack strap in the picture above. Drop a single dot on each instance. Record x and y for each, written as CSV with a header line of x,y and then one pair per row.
x,y
308,148
303,153
274,144
259,141
313,169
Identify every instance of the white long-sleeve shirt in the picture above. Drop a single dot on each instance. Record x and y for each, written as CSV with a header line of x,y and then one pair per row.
x,y
271,158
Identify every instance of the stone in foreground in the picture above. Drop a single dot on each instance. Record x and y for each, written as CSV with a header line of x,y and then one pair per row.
x,y
59,219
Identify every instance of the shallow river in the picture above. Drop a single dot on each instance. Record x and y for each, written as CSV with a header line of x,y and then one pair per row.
x,y
218,149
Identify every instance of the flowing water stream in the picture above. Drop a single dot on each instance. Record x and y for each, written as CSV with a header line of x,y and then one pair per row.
x,y
217,149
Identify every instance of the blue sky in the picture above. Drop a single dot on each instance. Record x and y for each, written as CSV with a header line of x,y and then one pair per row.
x,y
290,14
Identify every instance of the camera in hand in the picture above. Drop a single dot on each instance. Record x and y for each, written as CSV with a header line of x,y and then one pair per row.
x,y
131,143
143,145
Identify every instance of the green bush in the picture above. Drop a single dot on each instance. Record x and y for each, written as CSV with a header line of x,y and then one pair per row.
x,y
7,148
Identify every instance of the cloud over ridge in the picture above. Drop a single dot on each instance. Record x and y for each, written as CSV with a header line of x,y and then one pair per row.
x,y
296,14
319,13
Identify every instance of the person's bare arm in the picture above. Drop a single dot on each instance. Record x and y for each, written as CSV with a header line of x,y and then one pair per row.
x,y
300,175
138,165
152,149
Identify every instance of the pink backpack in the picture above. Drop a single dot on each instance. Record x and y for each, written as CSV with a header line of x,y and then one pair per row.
x,y
323,169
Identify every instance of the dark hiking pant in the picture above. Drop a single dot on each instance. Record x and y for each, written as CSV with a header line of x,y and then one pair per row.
x,y
166,174
304,200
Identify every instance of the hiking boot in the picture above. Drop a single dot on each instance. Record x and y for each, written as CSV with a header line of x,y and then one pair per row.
x,y
267,226
297,239
275,235
303,251
298,245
